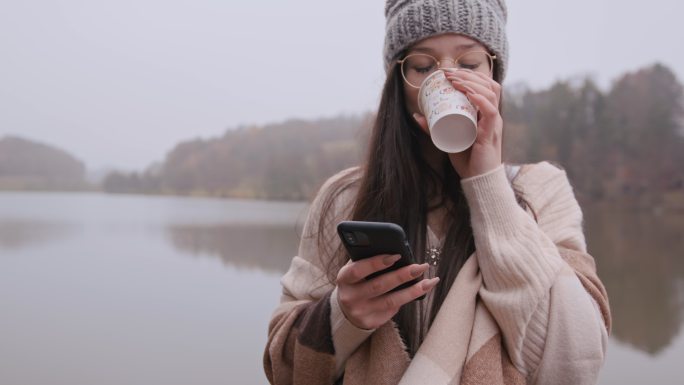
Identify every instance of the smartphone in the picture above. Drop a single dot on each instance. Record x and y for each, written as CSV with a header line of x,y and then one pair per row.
x,y
368,239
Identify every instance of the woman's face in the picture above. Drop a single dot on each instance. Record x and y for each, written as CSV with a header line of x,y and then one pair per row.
x,y
445,48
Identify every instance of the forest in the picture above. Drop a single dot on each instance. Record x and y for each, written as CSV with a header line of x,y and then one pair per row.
x,y
625,143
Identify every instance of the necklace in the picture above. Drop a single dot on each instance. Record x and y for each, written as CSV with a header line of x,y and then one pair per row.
x,y
433,255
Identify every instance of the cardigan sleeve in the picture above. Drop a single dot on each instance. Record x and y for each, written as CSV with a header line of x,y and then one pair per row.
x,y
346,336
549,320
309,336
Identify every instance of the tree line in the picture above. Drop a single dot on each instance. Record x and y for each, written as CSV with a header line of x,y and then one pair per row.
x,y
626,142
623,142
29,165
285,161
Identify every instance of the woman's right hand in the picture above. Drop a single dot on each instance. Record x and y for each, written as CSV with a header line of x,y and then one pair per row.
x,y
367,303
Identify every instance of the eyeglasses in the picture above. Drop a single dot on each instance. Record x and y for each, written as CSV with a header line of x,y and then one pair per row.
x,y
418,66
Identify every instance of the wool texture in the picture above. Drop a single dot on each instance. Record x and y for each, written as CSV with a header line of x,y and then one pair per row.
x,y
409,21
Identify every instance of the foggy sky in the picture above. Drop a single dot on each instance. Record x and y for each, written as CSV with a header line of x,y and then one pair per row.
x,y
119,83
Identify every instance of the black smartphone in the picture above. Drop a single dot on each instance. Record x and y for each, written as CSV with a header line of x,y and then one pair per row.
x,y
368,239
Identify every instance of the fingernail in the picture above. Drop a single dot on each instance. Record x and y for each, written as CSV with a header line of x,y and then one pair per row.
x,y
430,283
390,259
418,270
415,115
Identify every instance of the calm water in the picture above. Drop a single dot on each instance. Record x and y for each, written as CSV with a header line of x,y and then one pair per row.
x,y
112,289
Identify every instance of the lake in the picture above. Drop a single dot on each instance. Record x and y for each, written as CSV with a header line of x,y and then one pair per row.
x,y
123,289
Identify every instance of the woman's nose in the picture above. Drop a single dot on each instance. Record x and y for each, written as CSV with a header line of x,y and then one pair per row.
x,y
447,63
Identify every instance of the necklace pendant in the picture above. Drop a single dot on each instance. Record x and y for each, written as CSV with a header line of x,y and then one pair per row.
x,y
433,254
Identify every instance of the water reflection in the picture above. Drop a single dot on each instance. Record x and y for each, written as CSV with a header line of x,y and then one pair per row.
x,y
265,247
639,258
92,263
17,234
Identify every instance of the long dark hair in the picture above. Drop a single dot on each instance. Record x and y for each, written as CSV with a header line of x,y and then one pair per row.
x,y
393,185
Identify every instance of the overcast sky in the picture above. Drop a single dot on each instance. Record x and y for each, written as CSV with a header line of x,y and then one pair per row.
x,y
119,83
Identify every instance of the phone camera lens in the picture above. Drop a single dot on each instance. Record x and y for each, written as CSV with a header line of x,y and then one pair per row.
x,y
351,238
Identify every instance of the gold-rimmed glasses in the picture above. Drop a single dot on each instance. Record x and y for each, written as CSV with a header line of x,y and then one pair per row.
x,y
416,67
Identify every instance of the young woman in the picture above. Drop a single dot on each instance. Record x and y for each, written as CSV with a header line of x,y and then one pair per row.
x,y
512,296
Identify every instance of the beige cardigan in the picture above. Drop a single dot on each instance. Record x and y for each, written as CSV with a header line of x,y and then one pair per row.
x,y
528,299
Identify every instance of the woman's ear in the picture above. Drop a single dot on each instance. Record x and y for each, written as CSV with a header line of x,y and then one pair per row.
x,y
422,122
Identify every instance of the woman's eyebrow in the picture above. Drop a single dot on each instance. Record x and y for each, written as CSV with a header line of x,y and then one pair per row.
x,y
459,47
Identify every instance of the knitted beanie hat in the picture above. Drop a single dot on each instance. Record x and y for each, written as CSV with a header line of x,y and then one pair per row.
x,y
409,21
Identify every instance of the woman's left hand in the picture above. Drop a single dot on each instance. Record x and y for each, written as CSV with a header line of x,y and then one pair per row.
x,y
484,93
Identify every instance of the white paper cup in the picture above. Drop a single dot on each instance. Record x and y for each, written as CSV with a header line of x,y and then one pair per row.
x,y
452,119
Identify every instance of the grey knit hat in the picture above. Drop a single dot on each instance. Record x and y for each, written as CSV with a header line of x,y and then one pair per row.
x,y
409,21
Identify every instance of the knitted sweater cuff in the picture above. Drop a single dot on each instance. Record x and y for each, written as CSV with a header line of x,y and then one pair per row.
x,y
346,336
491,200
